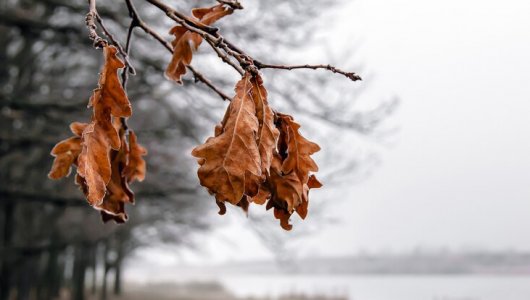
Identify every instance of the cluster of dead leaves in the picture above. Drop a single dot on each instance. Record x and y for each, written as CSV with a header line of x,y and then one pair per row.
x,y
255,155
258,156
106,162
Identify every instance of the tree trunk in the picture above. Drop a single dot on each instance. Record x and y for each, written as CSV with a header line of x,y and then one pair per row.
x,y
117,266
7,233
78,276
51,274
25,279
106,268
94,264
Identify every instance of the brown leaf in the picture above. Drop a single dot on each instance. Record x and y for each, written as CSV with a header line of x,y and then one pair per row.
x,y
110,95
77,128
302,208
186,42
94,162
263,194
209,15
105,164
109,101
286,193
231,161
298,150
66,152
267,133
135,169
118,192
285,187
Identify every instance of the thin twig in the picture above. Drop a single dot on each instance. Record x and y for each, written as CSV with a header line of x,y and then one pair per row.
x,y
199,77
225,58
177,16
90,22
211,36
351,75
147,29
218,42
125,73
117,44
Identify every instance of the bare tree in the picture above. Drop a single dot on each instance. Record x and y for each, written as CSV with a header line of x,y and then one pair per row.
x,y
49,239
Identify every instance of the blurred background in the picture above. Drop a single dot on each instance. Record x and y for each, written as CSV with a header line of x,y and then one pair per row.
x,y
425,162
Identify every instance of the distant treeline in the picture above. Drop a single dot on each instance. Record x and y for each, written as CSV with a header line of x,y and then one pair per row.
x,y
441,262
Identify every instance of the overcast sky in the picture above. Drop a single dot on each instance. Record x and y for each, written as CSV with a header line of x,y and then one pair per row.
x,y
458,175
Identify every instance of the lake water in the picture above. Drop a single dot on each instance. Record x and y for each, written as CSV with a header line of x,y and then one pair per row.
x,y
355,287
384,287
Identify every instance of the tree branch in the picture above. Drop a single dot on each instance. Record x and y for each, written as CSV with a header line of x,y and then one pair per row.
x,y
199,77
115,42
183,19
217,42
90,22
351,75
138,22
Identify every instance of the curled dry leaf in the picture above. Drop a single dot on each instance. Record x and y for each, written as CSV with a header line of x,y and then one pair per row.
x,y
118,191
94,163
230,162
286,193
66,152
187,42
135,169
287,186
299,149
267,133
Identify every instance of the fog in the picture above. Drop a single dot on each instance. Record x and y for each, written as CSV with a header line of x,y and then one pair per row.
x,y
436,184
455,173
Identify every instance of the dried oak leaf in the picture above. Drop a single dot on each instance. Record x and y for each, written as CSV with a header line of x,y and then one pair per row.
x,y
66,152
266,139
118,191
99,137
94,163
230,162
186,42
110,94
287,186
286,193
299,149
135,169
268,133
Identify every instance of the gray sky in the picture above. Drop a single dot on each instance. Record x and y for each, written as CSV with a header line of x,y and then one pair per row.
x,y
459,173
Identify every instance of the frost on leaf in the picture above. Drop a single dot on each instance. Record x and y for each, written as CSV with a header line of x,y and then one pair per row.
x,y
230,162
187,42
